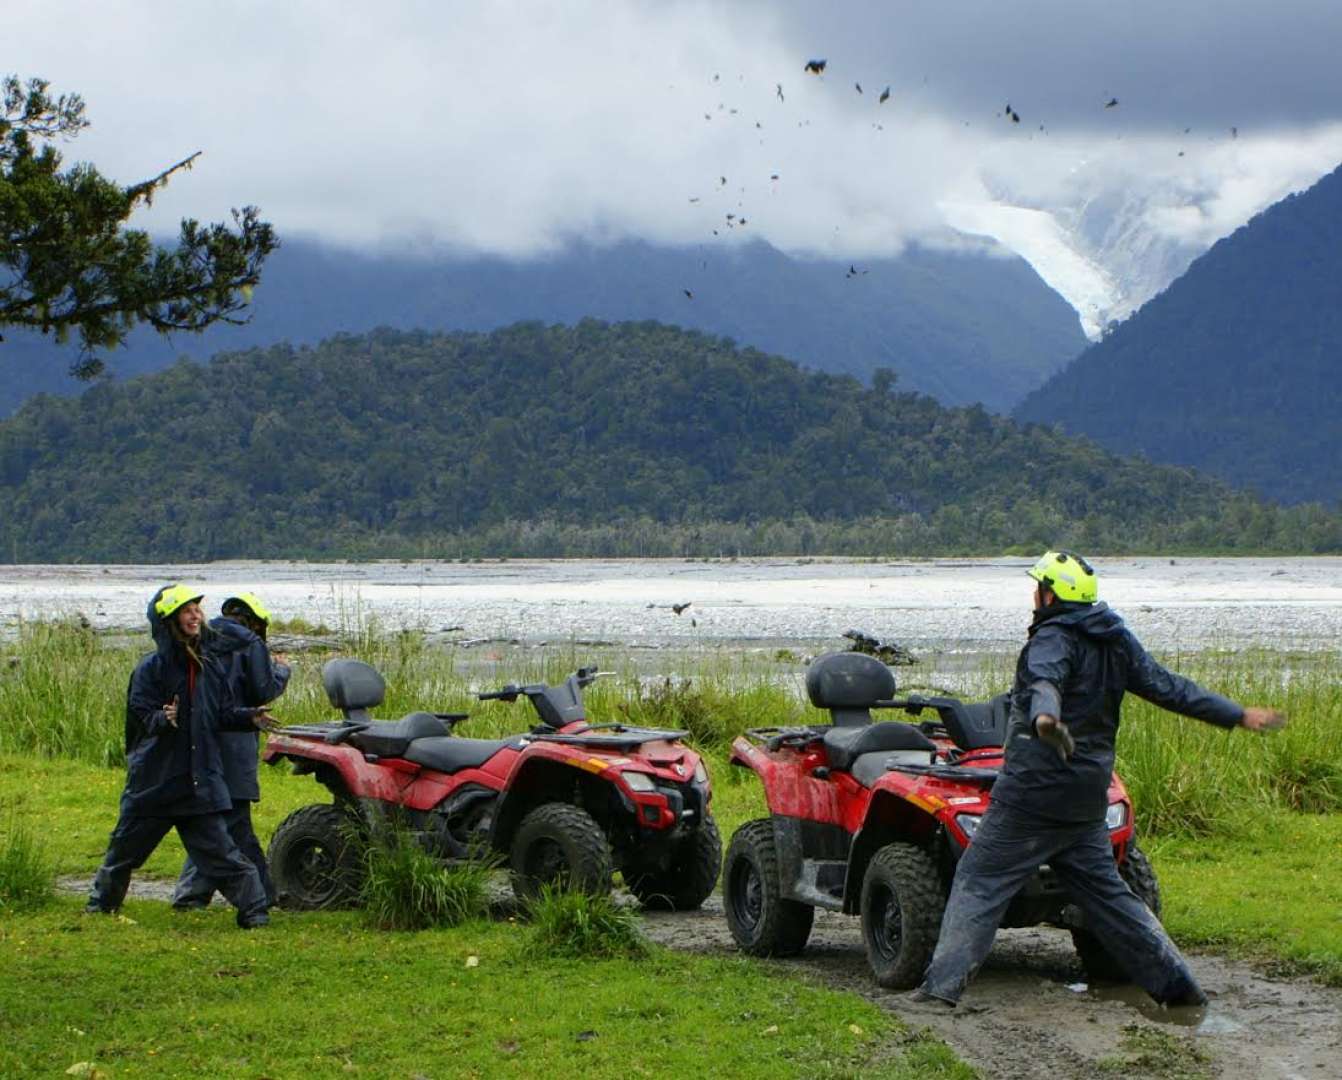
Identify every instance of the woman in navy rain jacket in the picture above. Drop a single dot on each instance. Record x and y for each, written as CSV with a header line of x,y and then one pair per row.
x,y
174,772
254,679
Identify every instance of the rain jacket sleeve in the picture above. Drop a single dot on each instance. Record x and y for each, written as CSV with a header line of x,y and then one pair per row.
x,y
145,699
1048,665
1160,686
264,678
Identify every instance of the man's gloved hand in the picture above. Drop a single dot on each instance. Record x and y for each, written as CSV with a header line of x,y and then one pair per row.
x,y
1054,732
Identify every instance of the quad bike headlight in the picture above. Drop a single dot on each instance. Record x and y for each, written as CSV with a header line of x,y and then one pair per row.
x,y
1116,816
968,823
638,781
700,774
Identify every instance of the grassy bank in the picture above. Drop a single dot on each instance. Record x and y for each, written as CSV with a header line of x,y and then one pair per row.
x,y
62,697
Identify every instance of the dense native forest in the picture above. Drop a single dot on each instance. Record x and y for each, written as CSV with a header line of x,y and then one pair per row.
x,y
1236,368
962,327
627,439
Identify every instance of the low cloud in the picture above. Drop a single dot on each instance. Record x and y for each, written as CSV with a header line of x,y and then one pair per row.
x,y
511,128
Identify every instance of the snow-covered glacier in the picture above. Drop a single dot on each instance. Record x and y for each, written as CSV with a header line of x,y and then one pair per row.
x,y
1118,226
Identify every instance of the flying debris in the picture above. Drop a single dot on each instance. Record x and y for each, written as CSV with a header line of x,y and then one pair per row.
x,y
1012,114
780,92
815,67
715,77
694,198
885,96
1234,133
773,176
1112,103
688,295
722,181
858,85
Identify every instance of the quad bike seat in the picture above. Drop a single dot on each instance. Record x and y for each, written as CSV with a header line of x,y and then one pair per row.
x,y
868,768
450,753
387,738
845,745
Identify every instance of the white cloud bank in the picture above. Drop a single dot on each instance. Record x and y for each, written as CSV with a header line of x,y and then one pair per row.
x,y
512,128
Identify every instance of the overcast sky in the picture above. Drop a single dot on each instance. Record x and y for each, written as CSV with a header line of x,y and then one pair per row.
x,y
514,127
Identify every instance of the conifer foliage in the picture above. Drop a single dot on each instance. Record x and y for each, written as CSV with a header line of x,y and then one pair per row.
x,y
69,264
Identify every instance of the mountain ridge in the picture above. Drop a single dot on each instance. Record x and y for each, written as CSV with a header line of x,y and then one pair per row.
x,y
1236,368
961,326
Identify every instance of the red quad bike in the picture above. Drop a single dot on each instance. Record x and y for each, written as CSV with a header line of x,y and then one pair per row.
x,y
870,819
566,803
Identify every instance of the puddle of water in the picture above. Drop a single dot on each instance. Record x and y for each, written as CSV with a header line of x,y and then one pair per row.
x,y
1202,1019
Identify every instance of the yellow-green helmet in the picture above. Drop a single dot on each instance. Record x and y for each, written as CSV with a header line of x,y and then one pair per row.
x,y
1068,575
251,602
174,597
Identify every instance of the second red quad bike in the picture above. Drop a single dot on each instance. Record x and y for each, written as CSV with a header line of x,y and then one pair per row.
x,y
566,803
870,819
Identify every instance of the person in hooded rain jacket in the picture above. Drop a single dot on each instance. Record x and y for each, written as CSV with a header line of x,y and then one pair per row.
x,y
254,679
1049,803
176,700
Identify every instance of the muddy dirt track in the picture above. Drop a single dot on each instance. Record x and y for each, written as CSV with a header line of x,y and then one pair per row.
x,y
1038,1020
1028,1014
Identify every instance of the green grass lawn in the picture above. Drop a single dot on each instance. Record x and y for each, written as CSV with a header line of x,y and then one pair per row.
x,y
158,993
163,994
1273,893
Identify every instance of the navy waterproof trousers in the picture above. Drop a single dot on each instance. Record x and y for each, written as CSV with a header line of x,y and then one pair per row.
x,y
1007,849
207,842
195,889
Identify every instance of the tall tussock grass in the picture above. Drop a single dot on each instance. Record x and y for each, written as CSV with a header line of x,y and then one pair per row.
x,y
406,888
62,694
27,880
578,925
1189,778
712,712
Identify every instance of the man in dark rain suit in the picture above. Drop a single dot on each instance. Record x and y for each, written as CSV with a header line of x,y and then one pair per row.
x,y
1048,805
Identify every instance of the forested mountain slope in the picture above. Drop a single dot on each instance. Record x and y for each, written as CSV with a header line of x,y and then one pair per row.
x,y
1236,368
962,327
569,440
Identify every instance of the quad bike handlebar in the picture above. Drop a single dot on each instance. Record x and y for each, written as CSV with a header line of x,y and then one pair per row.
x,y
556,705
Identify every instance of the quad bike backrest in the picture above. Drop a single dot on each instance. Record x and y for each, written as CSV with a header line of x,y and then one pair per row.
x,y
353,687
848,684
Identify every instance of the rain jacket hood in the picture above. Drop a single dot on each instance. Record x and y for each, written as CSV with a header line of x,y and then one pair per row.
x,y
1078,663
1096,620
